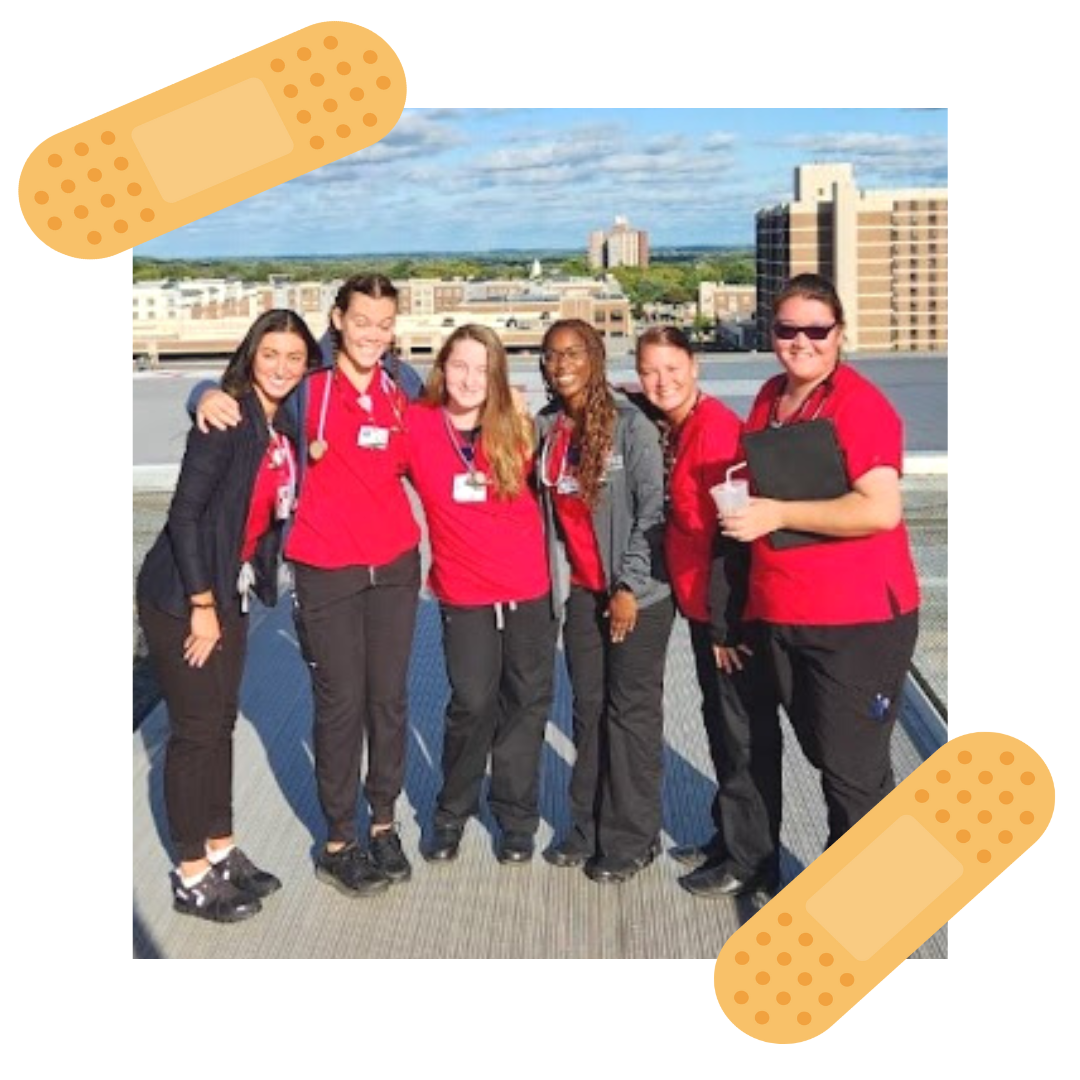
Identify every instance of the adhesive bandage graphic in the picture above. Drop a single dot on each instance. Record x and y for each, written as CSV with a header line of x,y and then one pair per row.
x,y
884,887
212,140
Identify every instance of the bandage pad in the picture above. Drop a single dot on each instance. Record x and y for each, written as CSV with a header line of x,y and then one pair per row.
x,y
884,887
212,140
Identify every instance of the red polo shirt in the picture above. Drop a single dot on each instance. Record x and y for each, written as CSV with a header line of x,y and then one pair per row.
x,y
486,552
575,517
841,581
353,509
707,445
263,507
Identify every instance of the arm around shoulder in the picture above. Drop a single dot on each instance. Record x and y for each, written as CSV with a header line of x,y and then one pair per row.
x,y
209,406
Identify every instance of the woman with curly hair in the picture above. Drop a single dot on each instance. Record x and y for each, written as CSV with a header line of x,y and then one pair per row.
x,y
601,476
470,452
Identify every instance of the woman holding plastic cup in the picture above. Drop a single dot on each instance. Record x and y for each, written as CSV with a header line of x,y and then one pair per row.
x,y
840,615
708,577
601,477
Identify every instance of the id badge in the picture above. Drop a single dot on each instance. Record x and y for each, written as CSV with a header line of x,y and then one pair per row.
x,y
374,438
470,488
568,485
283,502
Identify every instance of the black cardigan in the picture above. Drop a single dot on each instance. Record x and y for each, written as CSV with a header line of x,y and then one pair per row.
x,y
199,548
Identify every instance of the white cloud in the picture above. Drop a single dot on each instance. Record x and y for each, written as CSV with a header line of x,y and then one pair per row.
x,y
718,141
893,158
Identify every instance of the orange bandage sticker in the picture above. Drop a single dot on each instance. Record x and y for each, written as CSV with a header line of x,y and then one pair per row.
x,y
212,140
884,887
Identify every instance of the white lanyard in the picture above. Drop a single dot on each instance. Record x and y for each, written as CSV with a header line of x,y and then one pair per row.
x,y
281,454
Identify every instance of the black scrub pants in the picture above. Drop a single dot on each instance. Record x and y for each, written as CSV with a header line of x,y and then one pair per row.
x,y
500,661
618,691
202,705
743,731
841,687
355,626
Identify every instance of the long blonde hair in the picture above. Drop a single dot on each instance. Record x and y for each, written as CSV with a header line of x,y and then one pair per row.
x,y
506,436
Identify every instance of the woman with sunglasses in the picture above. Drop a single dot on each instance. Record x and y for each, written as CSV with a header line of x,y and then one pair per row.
x,y
221,541
601,473
840,615
354,548
708,576
470,452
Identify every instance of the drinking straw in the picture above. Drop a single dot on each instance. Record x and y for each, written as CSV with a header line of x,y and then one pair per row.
x,y
727,475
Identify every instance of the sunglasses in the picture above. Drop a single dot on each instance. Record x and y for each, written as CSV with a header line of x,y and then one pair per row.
x,y
789,331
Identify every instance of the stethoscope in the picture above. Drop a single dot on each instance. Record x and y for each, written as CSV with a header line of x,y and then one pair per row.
x,y
825,387
319,445
545,456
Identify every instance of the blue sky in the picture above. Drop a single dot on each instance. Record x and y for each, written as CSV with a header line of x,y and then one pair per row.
x,y
482,179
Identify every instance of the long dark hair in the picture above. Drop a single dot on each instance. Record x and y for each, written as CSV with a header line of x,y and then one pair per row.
x,y
236,379
595,431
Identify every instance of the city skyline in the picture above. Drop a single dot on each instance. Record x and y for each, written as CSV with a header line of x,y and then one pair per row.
x,y
460,180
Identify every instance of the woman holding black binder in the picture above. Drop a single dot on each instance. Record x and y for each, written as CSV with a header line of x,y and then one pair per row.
x,y
839,602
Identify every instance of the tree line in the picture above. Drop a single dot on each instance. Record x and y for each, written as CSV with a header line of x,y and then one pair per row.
x,y
672,279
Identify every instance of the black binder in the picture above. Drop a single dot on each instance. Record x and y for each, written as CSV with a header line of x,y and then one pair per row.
x,y
796,462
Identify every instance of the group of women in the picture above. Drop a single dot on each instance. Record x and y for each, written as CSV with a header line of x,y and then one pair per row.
x,y
595,517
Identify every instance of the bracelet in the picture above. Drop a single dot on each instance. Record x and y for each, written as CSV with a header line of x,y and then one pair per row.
x,y
204,604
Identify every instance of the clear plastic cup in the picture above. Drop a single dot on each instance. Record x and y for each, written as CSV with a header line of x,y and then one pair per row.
x,y
731,495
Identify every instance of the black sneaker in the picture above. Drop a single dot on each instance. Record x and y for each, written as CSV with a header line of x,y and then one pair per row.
x,y
515,848
612,870
695,855
571,852
350,871
214,898
246,876
384,851
444,844
725,878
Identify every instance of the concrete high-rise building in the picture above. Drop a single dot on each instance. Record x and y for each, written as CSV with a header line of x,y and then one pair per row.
x,y
596,249
887,253
622,246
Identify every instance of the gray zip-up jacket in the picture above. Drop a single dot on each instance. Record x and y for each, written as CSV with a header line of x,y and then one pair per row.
x,y
628,519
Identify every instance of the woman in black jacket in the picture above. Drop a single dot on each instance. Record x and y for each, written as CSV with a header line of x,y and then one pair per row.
x,y
220,544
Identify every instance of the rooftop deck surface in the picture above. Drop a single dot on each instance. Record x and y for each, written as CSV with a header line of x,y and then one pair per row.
x,y
473,907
